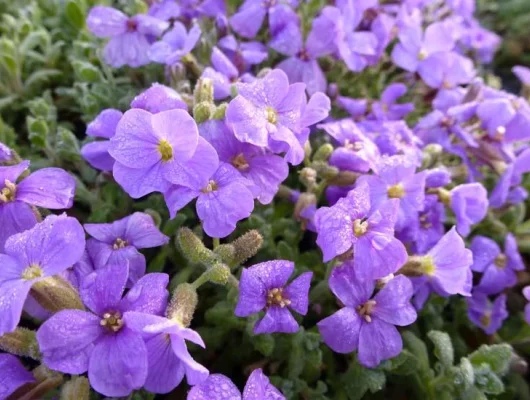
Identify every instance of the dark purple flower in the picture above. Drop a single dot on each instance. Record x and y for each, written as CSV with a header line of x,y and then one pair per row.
x,y
499,269
119,242
167,355
219,387
349,225
99,341
265,170
47,249
104,126
129,43
51,188
150,149
367,324
175,44
264,287
397,179
485,314
14,375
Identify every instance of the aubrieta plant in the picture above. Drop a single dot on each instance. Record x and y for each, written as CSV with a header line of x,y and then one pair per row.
x,y
261,200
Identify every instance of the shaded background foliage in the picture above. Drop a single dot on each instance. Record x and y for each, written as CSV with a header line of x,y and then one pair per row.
x,y
53,82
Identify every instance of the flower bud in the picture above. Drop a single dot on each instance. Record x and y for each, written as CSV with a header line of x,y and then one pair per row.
x,y
344,178
55,294
203,91
46,381
381,283
308,176
193,248
323,152
183,303
220,111
304,201
203,111
77,388
247,246
226,253
21,342
219,273
415,266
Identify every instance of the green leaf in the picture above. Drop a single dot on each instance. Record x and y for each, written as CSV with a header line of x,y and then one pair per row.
x,y
405,363
38,131
497,356
8,100
443,348
462,376
87,72
40,76
473,393
417,347
487,381
75,14
358,380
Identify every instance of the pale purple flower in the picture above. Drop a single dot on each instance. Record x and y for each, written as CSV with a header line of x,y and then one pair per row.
x,y
14,375
150,149
159,98
51,188
416,46
446,70
447,266
167,355
396,178
522,73
469,203
130,36
388,108
5,153
104,126
480,40
348,224
498,269
165,10
219,387
119,242
243,54
264,170
367,324
47,249
175,44
526,294
99,341
264,287
507,189
485,314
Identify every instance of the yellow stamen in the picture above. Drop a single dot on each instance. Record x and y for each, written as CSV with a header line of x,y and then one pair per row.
x,y
210,187
112,321
271,114
486,319
165,149
119,244
275,297
422,55
7,194
428,266
240,162
501,261
360,227
34,271
396,191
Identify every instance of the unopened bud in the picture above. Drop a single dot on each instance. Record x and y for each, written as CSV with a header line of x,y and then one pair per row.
x,y
431,153
203,111
247,246
220,111
183,304
77,388
304,200
191,64
21,342
344,178
333,91
203,91
219,273
413,267
55,294
323,152
329,172
226,253
47,380
381,283
193,248
308,176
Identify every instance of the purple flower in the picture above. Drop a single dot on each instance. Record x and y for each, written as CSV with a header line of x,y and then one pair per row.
x,y
349,225
526,293
5,153
387,108
159,98
104,126
119,241
243,54
47,249
397,179
499,269
429,225
167,355
469,202
415,46
175,44
223,74
99,341
51,188
486,315
507,189
149,149
219,387
522,73
446,70
357,152
129,43
367,324
264,170
165,10
446,266
270,112
14,375
264,287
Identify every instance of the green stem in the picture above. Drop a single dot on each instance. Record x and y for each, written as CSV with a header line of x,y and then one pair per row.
x,y
200,280
216,243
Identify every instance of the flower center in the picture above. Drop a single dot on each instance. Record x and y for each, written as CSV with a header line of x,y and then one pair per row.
x,y
240,162
396,191
275,297
165,149
271,114
303,55
360,227
499,133
501,261
132,25
424,221
355,146
119,244
422,55
444,196
428,266
7,194
210,187
34,271
365,311
112,321
486,319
